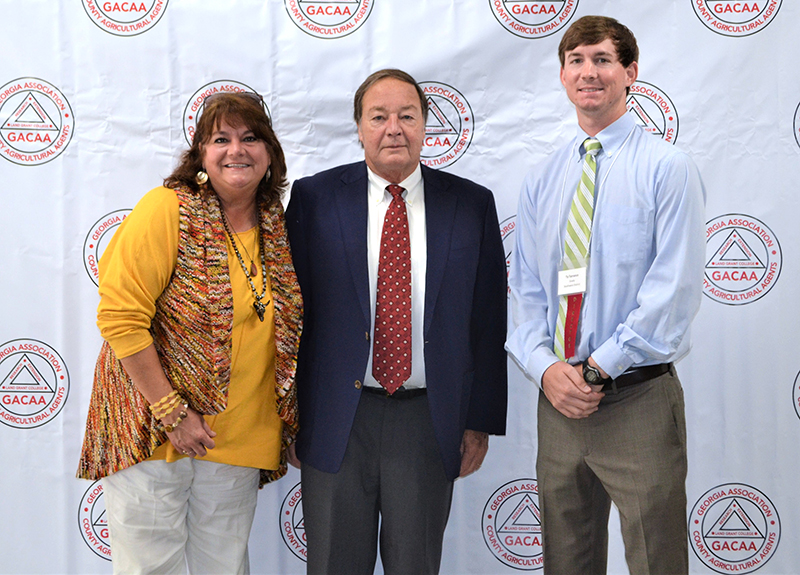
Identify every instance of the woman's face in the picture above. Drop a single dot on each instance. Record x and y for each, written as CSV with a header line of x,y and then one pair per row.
x,y
235,160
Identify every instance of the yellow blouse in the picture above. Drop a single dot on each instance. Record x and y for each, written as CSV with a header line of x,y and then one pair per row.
x,y
135,268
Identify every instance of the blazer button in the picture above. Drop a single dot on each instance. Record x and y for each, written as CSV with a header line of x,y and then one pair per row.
x,y
358,384
366,335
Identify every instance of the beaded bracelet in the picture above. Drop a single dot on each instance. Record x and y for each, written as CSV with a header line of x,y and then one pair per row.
x,y
164,411
160,403
169,428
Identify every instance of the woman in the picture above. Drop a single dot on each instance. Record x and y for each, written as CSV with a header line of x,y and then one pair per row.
x,y
194,405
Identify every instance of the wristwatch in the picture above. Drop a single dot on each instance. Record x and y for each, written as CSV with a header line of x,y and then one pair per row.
x,y
592,375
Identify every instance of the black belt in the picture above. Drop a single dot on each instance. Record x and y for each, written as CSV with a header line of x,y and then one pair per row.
x,y
637,375
400,393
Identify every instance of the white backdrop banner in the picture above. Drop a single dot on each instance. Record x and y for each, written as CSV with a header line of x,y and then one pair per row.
x,y
98,99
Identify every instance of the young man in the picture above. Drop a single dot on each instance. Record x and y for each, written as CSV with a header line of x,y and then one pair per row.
x,y
402,372
605,280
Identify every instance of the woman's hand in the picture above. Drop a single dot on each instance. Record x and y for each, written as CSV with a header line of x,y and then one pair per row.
x,y
291,456
192,436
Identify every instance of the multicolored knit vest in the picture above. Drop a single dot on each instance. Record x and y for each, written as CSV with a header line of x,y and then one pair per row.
x,y
192,330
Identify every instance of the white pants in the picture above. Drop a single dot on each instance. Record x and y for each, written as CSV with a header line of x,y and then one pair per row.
x,y
164,517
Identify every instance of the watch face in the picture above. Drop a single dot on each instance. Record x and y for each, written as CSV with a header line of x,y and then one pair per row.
x,y
591,375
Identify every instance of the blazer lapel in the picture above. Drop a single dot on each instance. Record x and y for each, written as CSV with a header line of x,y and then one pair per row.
x,y
351,203
440,209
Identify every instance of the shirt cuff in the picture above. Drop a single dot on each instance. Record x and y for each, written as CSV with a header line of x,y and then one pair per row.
x,y
538,362
612,359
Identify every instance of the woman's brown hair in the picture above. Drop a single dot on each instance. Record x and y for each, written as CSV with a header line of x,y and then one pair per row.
x,y
236,109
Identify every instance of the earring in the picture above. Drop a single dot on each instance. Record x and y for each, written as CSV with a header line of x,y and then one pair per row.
x,y
269,174
201,178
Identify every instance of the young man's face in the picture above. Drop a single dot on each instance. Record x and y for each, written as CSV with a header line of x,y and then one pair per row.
x,y
596,81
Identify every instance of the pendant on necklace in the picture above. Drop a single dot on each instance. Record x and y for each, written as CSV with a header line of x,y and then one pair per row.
x,y
260,309
253,270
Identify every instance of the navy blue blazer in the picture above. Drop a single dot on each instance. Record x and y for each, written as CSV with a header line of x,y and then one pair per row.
x,y
465,310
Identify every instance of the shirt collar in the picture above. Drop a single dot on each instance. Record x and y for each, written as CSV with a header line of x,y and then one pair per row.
x,y
377,187
611,137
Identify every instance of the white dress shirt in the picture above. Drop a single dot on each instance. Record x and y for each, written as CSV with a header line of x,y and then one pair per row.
x,y
377,203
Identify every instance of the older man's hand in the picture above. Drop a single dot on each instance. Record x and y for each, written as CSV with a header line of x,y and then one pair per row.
x,y
474,446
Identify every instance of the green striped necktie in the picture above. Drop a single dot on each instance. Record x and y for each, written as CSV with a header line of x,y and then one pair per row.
x,y
576,250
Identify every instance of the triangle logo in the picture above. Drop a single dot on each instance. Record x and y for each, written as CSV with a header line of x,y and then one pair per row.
x,y
734,252
25,377
30,115
734,523
101,521
524,519
437,121
638,111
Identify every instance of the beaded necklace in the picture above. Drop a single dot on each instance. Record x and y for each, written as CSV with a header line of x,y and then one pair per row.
x,y
260,308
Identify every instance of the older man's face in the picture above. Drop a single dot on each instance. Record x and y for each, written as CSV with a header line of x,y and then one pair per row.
x,y
391,129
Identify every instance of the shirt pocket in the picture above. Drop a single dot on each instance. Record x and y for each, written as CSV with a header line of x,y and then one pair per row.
x,y
622,233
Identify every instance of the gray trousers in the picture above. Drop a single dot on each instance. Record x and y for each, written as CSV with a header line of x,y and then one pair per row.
x,y
392,468
632,451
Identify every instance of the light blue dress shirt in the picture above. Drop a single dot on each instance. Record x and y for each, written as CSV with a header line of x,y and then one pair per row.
x,y
645,259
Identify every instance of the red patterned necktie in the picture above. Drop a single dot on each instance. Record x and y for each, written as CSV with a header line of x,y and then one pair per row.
x,y
391,354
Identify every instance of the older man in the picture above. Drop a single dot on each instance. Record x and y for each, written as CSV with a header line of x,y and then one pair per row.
x,y
605,281
402,372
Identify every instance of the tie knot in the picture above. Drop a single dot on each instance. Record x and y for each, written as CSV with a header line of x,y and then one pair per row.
x,y
396,191
592,146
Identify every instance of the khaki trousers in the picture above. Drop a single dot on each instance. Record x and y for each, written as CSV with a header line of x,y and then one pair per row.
x,y
632,451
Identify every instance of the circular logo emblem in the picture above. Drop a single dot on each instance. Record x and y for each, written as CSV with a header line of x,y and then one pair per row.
x,y
450,125
511,525
734,528
528,19
36,122
34,383
796,394
194,108
797,125
125,18
743,259
328,18
92,521
293,530
507,234
735,17
653,109
97,239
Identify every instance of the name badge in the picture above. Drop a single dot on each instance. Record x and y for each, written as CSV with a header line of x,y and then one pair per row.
x,y
572,281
